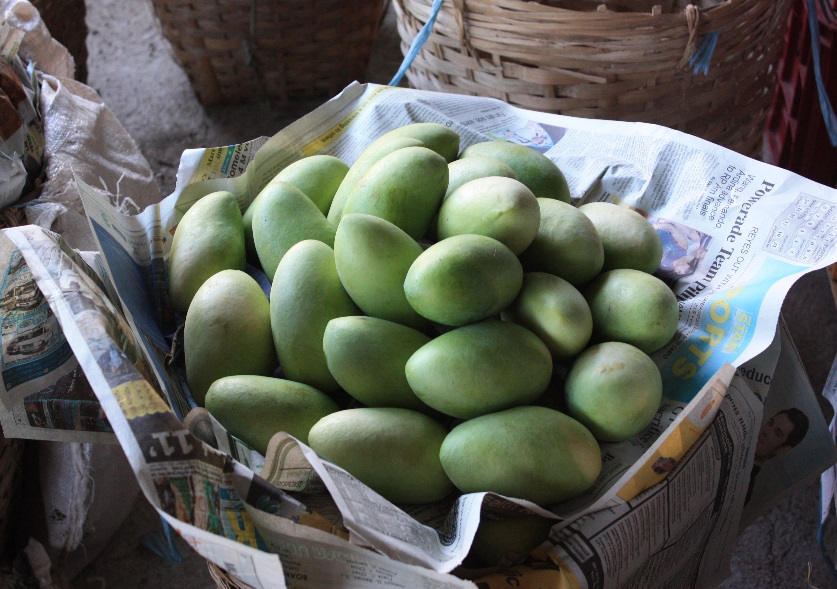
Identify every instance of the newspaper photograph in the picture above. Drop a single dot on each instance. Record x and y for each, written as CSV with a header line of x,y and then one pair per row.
x,y
737,233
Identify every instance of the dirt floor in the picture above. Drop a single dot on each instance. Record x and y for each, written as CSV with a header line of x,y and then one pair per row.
x,y
131,66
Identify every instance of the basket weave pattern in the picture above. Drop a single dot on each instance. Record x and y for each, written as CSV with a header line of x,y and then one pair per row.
x,y
606,63
246,50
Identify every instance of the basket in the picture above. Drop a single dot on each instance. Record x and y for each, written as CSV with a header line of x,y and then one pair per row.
x,y
223,580
708,71
11,471
246,50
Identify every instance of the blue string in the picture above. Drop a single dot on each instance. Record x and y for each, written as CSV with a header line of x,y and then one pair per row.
x,y
163,544
703,56
825,104
417,43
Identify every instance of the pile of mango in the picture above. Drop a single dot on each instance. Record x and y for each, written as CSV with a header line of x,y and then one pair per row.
x,y
488,333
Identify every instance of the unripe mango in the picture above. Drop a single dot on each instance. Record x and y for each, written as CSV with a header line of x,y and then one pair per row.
x,y
208,239
227,332
531,167
404,187
318,176
373,152
567,244
634,307
305,295
367,357
628,239
480,368
533,453
555,311
477,166
496,206
283,216
393,451
372,257
463,279
614,389
254,408
441,139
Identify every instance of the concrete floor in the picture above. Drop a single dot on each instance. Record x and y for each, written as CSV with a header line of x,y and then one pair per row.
x,y
131,66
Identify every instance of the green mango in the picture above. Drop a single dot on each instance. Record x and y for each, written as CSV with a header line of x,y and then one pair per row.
x,y
629,240
208,239
614,389
476,166
247,220
367,357
255,408
318,176
634,307
393,451
284,216
463,279
496,206
555,311
373,152
567,244
534,169
480,368
530,452
305,295
404,187
227,332
372,257
440,138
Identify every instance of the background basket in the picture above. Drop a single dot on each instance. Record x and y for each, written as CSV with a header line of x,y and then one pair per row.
x,y
66,24
707,71
245,50
223,580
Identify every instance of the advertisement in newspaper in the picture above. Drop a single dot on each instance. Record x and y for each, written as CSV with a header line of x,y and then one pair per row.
x,y
737,233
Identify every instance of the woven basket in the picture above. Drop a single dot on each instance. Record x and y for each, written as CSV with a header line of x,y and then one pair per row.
x,y
598,59
223,579
246,50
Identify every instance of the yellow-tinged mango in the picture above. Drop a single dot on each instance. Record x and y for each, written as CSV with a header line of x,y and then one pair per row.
x,y
530,452
208,239
283,216
393,451
227,332
318,176
254,408
306,294
372,257
477,166
629,240
404,187
440,138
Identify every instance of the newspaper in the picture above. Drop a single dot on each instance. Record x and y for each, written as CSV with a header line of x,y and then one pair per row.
x,y
669,502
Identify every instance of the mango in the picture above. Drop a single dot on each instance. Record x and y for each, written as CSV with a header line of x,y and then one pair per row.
x,y
318,176
634,307
367,357
254,408
509,537
477,166
463,279
373,152
305,295
440,138
567,244
404,187
531,167
208,239
283,216
529,452
614,389
496,206
480,368
628,239
554,310
393,451
372,257
247,220
227,332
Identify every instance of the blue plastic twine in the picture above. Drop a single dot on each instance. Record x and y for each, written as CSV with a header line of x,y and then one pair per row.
x,y
417,43
162,543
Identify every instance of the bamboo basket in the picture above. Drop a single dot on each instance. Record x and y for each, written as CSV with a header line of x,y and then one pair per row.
x,y
247,50
629,60
224,580
66,24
